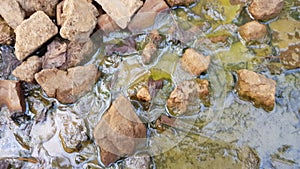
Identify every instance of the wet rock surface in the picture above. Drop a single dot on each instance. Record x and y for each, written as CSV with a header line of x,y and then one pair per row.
x,y
291,57
32,33
140,161
106,24
28,68
8,61
180,2
119,131
6,33
11,12
120,11
249,158
253,31
265,10
55,56
186,96
147,14
11,95
194,62
256,88
68,86
143,94
150,50
78,19
31,6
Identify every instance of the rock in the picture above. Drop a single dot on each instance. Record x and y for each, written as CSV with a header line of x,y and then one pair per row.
x,y
78,19
6,33
56,55
11,95
149,52
163,121
68,86
73,133
106,24
11,12
257,88
186,96
31,6
119,131
28,68
249,158
291,57
120,11
147,14
265,10
180,2
8,61
253,31
143,94
32,33
194,62
141,161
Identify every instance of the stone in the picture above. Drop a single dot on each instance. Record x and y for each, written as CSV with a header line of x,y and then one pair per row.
x,y
32,33
147,14
68,86
194,62
6,33
120,131
28,69
249,158
11,95
11,12
140,161
186,96
290,57
120,11
149,52
78,19
106,24
143,94
8,61
31,6
256,88
265,10
56,55
180,2
253,31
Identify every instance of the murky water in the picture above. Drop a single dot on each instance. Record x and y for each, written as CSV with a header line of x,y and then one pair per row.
x,y
227,133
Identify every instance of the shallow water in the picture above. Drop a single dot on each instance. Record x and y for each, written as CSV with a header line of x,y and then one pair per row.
x,y
217,135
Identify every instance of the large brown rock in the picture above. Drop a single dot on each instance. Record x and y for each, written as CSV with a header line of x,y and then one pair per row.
x,y
78,19
6,33
120,11
31,6
180,2
266,9
68,86
256,88
194,62
186,96
11,12
28,68
11,95
253,31
32,33
119,131
106,24
147,14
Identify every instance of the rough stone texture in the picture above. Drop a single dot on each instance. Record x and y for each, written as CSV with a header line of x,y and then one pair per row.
x,y
28,68
249,158
78,19
73,133
11,95
33,33
180,2
194,62
106,24
253,31
185,97
56,55
143,94
119,131
31,6
8,61
68,86
291,57
149,52
257,88
147,14
120,11
141,161
11,12
6,33
266,9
